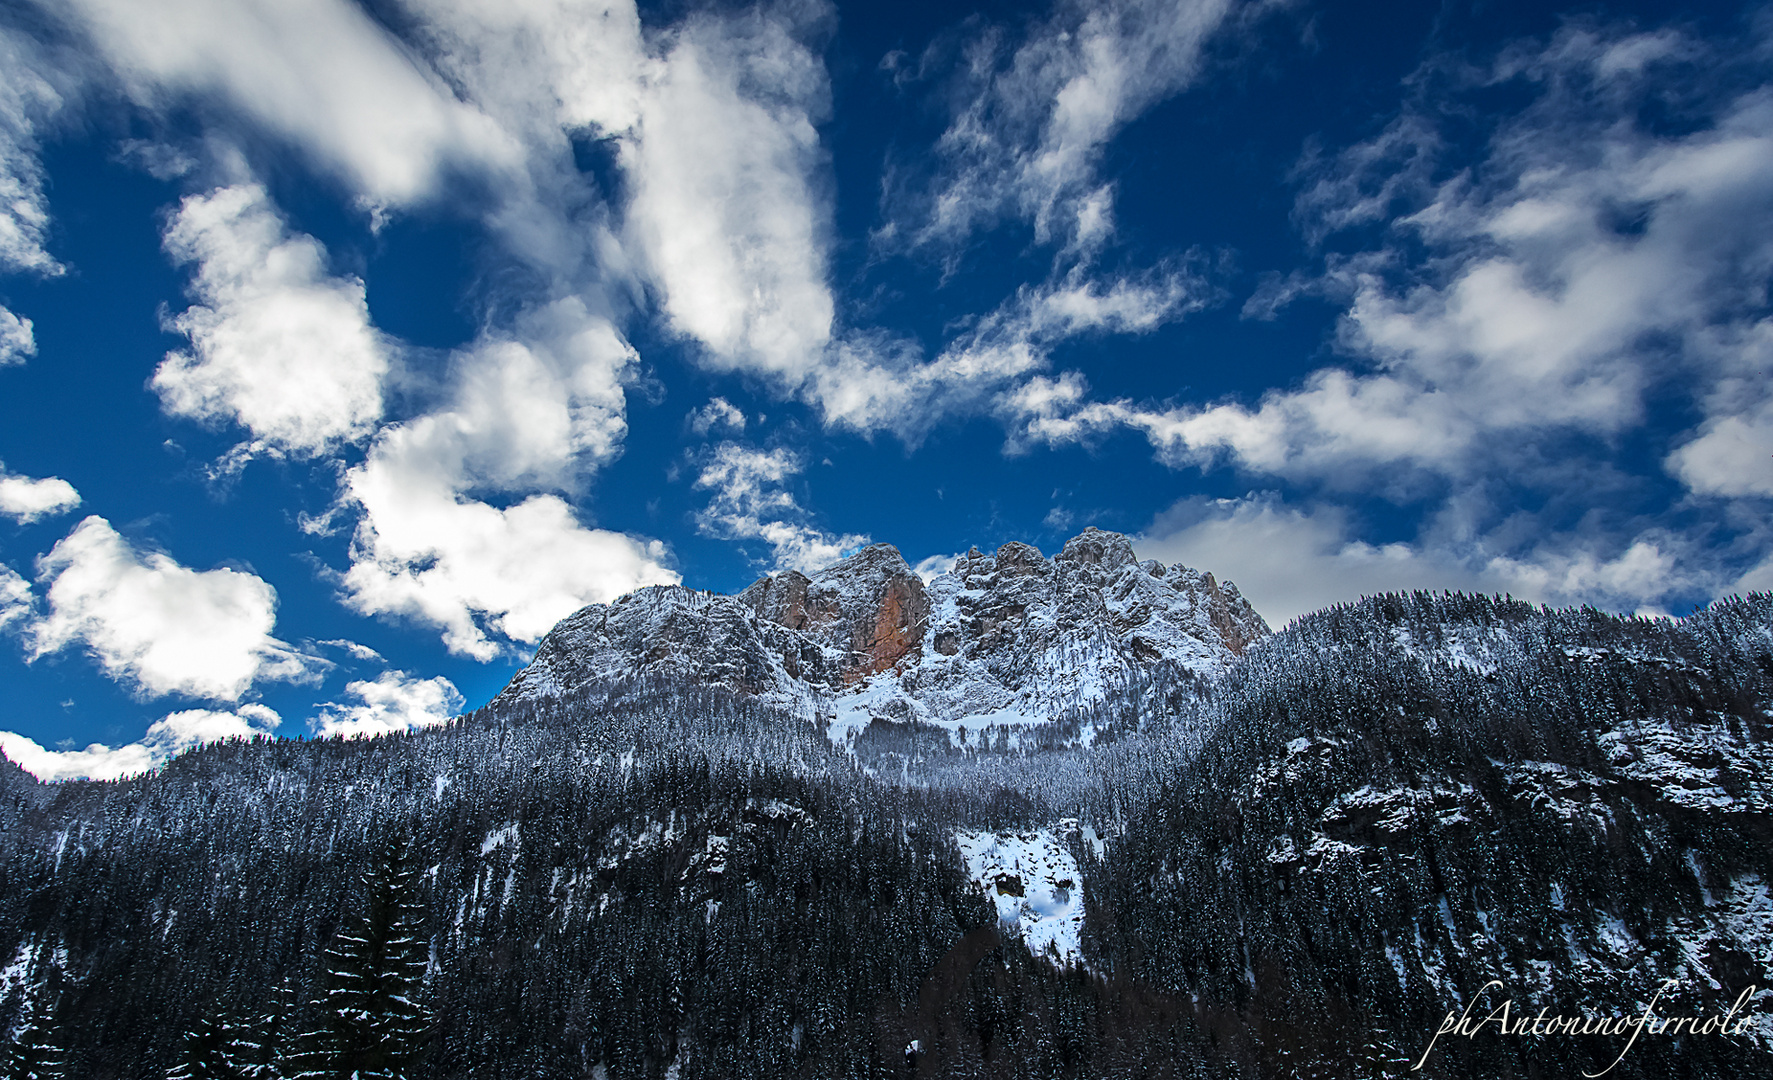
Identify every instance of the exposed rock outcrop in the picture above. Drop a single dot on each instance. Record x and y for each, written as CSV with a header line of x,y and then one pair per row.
x,y
1002,639
870,608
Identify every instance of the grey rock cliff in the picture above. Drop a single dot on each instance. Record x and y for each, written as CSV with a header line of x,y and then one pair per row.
x,y
1006,638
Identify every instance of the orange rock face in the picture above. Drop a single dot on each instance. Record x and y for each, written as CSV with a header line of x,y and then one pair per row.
x,y
897,632
871,608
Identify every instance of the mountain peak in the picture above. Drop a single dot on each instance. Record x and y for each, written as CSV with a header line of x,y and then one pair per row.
x,y
1005,639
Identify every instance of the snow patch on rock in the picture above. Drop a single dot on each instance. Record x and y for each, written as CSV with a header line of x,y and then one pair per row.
x,y
1035,883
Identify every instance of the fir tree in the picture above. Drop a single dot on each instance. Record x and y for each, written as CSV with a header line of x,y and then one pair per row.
x,y
212,1051
373,1023
36,1054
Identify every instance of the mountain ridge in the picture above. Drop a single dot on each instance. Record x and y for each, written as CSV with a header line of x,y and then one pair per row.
x,y
1012,638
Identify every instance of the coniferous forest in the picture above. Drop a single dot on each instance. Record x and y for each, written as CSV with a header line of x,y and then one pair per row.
x,y
1294,870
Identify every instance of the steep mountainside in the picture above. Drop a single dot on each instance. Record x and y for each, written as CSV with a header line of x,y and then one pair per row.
x,y
1405,799
1006,640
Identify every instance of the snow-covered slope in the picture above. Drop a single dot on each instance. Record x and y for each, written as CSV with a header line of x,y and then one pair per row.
x,y
1035,884
999,641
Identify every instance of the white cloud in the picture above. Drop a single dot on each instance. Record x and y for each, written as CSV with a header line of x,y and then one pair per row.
x,y
29,97
357,650
395,701
15,597
1029,136
459,523
544,65
319,73
1758,578
471,568
17,342
1290,560
1287,561
1732,451
427,549
873,381
160,626
25,499
720,414
934,566
727,209
750,502
172,734
278,345
1733,455
1539,294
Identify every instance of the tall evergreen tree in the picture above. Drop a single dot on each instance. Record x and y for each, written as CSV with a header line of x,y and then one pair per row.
x,y
373,1023
35,1053
212,1051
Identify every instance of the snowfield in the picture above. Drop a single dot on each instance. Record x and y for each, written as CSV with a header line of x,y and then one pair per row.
x,y
1036,885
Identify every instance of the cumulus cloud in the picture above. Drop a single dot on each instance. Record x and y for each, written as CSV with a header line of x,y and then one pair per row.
x,y
727,210
17,341
25,499
171,735
278,345
395,701
1731,452
1033,120
475,570
159,626
319,73
1290,560
750,501
524,416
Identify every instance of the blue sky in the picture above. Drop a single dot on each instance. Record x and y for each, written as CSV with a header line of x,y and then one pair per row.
x,y
345,347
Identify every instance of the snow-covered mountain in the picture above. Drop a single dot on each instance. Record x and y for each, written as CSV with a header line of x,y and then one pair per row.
x,y
1000,641
642,861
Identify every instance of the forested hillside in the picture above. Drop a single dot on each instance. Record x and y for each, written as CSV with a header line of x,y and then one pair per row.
x,y
1295,869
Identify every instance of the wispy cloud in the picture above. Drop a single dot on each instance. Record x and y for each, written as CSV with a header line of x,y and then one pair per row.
x,y
321,74
1034,117
33,91
1582,261
1510,328
750,501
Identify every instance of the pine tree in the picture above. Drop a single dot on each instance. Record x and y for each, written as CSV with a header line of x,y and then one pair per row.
x,y
373,1023
260,1045
212,1051
35,1054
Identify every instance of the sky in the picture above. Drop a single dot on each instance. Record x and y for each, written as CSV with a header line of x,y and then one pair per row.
x,y
346,346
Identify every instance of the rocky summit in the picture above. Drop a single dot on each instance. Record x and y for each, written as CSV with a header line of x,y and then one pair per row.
x,y
1002,640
